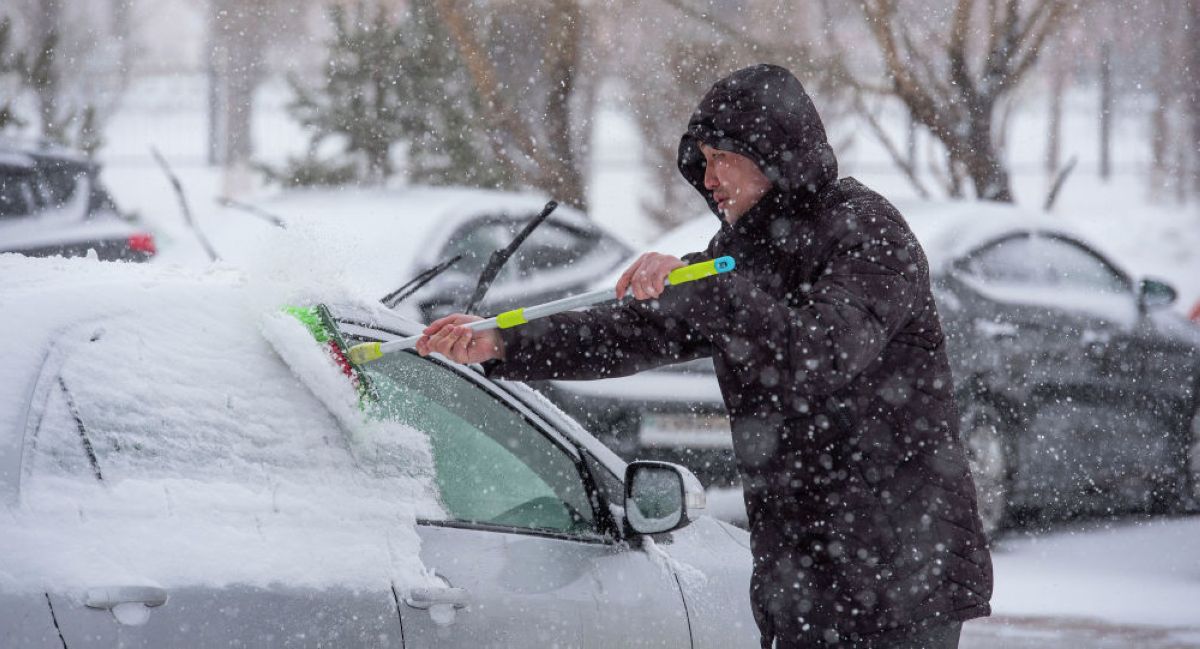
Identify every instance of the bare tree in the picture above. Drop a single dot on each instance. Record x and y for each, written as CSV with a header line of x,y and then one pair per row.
x,y
679,48
58,72
237,44
954,81
541,147
1058,87
664,92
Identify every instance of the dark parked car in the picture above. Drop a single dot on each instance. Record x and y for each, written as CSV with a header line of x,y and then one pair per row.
x,y
1077,386
53,203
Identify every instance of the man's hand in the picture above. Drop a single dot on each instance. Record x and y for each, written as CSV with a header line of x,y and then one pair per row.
x,y
448,337
647,276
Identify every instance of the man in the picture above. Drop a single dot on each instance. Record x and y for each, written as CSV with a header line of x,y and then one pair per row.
x,y
832,366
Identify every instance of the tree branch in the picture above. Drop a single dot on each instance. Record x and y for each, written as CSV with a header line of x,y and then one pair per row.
x,y
1059,11
483,74
881,135
960,73
722,27
880,15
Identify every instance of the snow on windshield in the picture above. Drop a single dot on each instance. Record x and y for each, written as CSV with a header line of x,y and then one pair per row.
x,y
167,443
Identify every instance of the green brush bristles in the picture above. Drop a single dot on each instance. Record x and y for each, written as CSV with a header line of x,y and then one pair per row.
x,y
311,319
320,324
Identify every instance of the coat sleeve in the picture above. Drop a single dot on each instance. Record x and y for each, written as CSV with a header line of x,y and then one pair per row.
x,y
865,295
602,342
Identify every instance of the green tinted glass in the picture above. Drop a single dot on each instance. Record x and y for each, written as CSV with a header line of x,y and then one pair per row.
x,y
492,465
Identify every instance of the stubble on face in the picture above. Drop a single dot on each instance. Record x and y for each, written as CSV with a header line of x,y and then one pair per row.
x,y
734,181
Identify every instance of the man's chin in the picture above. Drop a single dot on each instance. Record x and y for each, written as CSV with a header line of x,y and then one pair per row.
x,y
730,216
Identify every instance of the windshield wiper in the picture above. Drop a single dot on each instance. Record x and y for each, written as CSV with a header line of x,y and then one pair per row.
x,y
500,257
253,210
413,285
87,443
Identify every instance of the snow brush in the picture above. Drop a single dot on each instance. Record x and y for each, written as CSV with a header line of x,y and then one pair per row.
x,y
320,324
366,352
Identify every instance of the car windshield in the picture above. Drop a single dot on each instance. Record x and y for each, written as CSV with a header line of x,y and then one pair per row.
x,y
200,402
492,465
171,440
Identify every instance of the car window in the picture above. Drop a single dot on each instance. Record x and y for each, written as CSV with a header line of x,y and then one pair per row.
x,y
207,407
476,243
16,193
1044,261
60,183
554,246
492,465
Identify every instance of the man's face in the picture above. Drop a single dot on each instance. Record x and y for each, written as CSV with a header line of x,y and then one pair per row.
x,y
734,180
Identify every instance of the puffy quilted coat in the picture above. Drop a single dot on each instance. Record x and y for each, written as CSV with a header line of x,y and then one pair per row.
x,y
832,364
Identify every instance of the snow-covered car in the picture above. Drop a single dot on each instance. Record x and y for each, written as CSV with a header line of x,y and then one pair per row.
x,y
53,203
386,237
1077,387
183,465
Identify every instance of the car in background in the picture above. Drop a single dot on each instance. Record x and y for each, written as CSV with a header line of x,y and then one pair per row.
x,y
53,203
384,238
182,465
1077,386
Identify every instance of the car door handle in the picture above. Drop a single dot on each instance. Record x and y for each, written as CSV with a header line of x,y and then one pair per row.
x,y
424,598
112,596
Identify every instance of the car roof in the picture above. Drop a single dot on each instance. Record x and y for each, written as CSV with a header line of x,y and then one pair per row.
x,y
948,230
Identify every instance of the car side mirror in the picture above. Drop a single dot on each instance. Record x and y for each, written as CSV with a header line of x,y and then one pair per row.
x,y
1155,294
661,497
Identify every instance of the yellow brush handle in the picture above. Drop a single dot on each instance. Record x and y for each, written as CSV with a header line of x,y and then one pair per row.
x,y
367,352
701,270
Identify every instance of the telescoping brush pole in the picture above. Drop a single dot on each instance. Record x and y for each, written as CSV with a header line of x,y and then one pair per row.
x,y
367,352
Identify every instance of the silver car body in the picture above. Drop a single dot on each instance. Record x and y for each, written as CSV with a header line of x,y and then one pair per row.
x,y
168,481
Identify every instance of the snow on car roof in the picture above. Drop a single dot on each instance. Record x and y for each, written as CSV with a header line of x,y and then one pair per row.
x,y
150,427
365,228
950,229
945,229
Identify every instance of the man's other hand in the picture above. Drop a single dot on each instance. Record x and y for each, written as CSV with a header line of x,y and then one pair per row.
x,y
647,276
449,337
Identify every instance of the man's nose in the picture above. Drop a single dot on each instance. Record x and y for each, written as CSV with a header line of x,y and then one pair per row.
x,y
710,178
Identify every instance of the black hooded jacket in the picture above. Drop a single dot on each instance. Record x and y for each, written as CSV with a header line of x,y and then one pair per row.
x,y
832,364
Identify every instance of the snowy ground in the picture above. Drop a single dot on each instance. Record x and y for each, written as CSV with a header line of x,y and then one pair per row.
x,y
1131,582
1124,583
